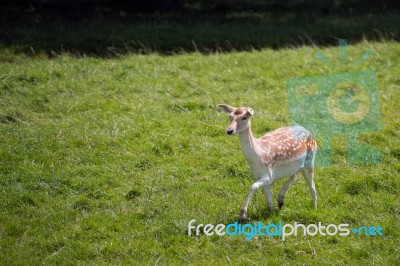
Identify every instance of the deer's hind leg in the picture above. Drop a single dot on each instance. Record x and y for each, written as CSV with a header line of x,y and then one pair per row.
x,y
308,175
285,188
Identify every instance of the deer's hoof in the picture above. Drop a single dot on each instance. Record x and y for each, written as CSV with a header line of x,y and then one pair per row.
x,y
242,219
242,216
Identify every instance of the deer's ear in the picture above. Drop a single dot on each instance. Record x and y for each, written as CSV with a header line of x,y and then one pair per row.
x,y
250,111
226,108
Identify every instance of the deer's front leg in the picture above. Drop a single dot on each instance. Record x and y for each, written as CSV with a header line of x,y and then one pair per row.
x,y
268,194
262,182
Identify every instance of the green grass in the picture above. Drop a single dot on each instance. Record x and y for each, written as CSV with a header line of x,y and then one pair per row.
x,y
105,161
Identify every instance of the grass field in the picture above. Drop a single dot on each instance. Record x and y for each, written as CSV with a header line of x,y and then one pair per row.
x,y
105,161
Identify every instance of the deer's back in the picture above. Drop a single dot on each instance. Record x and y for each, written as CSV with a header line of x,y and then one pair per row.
x,y
293,143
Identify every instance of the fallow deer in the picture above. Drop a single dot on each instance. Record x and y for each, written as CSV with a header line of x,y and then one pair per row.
x,y
278,154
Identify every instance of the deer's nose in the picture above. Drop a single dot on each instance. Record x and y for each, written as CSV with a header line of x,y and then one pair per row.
x,y
229,131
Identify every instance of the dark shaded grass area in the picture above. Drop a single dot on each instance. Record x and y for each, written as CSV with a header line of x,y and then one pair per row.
x,y
109,32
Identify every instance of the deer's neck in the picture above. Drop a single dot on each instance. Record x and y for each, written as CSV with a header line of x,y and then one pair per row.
x,y
250,146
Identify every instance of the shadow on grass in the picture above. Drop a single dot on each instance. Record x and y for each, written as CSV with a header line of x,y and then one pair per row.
x,y
252,216
110,33
262,214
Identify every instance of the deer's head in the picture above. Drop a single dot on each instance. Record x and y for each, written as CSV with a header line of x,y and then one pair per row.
x,y
239,117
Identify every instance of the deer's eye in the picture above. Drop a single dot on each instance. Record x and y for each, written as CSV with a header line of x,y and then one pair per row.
x,y
244,118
